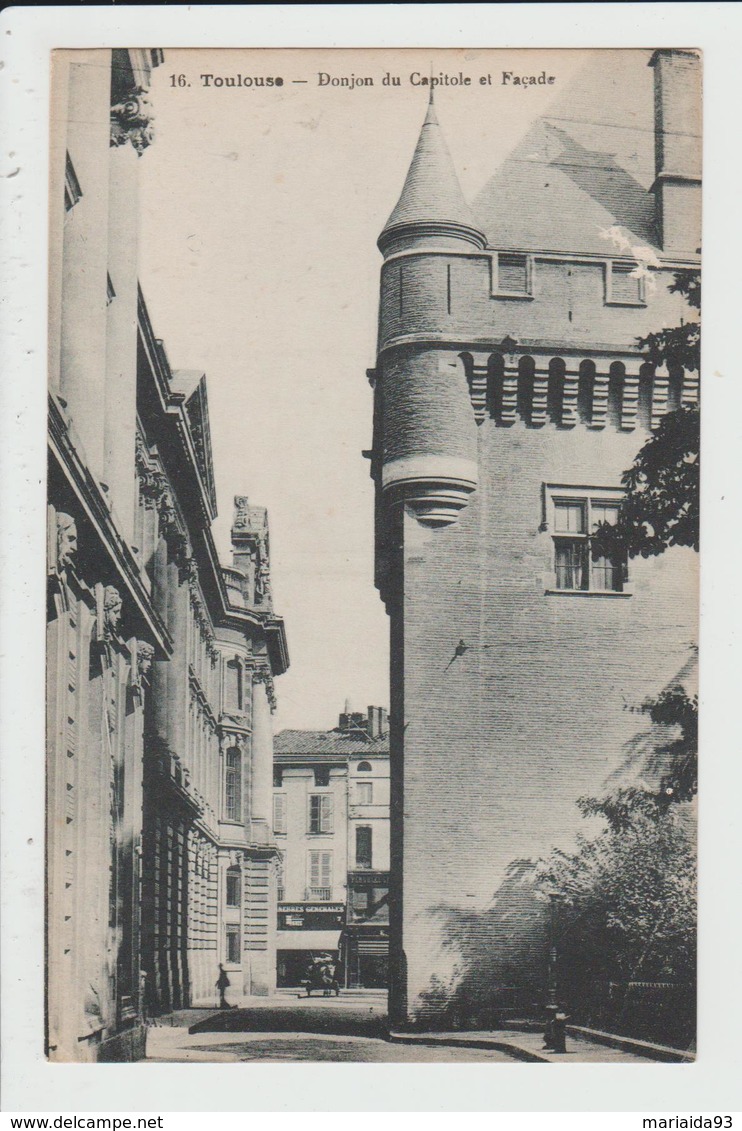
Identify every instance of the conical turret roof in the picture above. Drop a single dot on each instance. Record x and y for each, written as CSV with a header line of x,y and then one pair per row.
x,y
432,194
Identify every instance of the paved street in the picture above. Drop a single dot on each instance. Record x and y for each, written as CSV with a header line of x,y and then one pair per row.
x,y
289,1028
165,1044
351,1027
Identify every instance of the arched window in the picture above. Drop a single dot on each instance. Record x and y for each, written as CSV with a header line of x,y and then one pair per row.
x,y
233,784
364,768
233,689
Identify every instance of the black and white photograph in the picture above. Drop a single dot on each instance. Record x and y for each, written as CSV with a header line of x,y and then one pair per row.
x,y
372,578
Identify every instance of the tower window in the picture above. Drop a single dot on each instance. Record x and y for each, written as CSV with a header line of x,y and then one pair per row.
x,y
513,275
574,517
624,286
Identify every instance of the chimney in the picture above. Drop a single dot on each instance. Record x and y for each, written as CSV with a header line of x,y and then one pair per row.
x,y
377,722
677,149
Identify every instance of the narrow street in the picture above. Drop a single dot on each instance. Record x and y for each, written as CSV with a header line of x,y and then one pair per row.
x,y
288,1028
353,1027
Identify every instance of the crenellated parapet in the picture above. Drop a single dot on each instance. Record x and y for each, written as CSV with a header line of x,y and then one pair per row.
x,y
432,401
568,389
470,332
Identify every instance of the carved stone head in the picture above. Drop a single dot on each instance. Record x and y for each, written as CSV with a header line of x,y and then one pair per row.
x,y
112,605
145,656
66,541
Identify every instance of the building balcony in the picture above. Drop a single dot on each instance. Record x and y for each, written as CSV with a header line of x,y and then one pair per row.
x,y
319,895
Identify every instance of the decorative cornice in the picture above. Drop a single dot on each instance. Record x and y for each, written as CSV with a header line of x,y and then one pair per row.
x,y
420,229
199,609
201,698
234,722
229,736
154,489
152,481
131,121
97,515
263,674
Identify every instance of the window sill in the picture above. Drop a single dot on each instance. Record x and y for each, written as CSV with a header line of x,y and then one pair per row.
x,y
623,302
511,294
585,593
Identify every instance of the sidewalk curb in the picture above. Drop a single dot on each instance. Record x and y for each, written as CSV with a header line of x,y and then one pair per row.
x,y
632,1045
516,1051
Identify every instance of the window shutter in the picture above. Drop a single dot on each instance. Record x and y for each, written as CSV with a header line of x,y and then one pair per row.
x,y
512,274
624,285
326,809
279,813
326,869
314,870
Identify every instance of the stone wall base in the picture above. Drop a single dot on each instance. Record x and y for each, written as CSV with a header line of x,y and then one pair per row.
x,y
124,1047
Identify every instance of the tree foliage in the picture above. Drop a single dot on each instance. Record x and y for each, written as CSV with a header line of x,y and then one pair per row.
x,y
627,896
661,505
627,893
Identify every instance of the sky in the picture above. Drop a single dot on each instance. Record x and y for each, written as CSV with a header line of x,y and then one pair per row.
x,y
260,213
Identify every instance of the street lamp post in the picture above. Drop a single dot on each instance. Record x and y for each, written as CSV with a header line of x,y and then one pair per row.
x,y
556,1019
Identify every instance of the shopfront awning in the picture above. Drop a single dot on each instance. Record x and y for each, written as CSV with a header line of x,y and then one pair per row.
x,y
307,940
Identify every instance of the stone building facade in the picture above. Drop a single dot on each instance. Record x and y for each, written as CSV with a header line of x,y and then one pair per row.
x,y
510,393
331,824
160,663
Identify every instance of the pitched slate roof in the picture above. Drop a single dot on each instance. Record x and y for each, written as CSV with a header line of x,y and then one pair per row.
x,y
432,191
332,743
580,170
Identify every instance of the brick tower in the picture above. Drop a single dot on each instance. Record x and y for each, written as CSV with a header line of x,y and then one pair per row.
x,y
509,396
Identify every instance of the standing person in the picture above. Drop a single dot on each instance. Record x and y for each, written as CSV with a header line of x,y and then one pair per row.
x,y
222,984
143,1003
